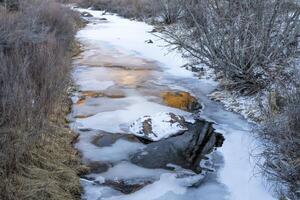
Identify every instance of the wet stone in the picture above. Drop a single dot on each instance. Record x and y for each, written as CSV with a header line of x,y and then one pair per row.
x,y
86,14
125,186
85,129
185,150
99,167
82,116
104,139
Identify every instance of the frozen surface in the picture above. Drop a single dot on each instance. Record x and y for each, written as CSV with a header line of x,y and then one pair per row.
x,y
88,81
166,184
113,121
129,37
127,170
94,192
115,56
119,151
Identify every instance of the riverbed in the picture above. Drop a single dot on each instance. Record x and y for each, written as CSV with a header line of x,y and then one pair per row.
x,y
120,77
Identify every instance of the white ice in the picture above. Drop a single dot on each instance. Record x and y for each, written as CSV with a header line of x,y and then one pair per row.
x,y
126,170
168,183
118,151
87,80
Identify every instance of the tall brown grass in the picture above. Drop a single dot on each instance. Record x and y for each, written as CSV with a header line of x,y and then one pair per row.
x,y
35,69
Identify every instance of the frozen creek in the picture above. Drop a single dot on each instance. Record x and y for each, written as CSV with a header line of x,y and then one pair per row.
x,y
121,78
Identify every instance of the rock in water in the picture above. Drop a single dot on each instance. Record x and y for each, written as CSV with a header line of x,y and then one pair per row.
x,y
185,150
181,100
159,126
149,41
86,14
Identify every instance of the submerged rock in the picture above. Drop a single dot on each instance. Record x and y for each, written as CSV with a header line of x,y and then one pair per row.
x,y
181,100
98,167
105,139
185,150
159,126
125,186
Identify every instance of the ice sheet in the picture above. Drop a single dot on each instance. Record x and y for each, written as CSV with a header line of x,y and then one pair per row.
x,y
234,180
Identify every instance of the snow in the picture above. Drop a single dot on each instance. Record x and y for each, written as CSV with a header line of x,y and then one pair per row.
x,y
235,174
234,177
248,106
161,124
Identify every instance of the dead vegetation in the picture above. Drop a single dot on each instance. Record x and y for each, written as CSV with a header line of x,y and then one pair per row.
x,y
37,159
281,144
166,11
250,42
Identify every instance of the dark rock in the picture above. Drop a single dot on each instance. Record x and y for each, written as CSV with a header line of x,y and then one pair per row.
x,y
157,29
124,186
98,167
149,41
85,129
185,150
86,14
104,139
103,19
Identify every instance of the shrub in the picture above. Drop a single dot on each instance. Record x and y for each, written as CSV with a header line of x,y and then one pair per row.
x,y
168,10
281,144
248,41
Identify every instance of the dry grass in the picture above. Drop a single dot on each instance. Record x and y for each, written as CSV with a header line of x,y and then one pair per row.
x,y
50,169
36,153
128,8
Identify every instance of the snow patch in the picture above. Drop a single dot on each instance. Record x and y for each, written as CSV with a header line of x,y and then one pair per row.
x,y
161,125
